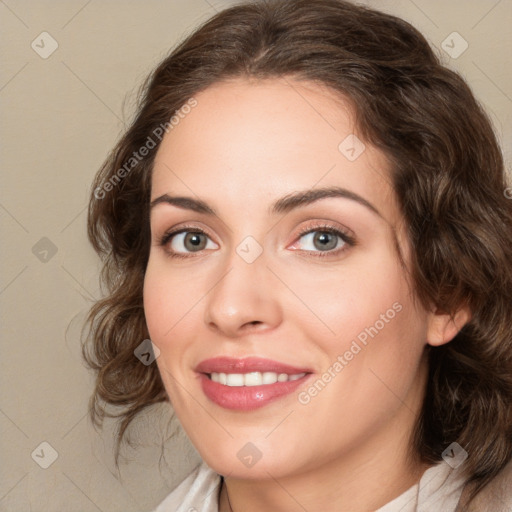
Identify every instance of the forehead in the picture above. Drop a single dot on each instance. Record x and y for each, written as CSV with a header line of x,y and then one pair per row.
x,y
272,137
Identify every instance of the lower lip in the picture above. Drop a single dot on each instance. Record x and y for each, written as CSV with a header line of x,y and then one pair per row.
x,y
247,398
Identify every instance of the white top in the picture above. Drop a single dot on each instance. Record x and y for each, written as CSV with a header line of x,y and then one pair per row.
x,y
439,488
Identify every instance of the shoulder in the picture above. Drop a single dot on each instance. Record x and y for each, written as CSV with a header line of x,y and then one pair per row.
x,y
198,492
496,496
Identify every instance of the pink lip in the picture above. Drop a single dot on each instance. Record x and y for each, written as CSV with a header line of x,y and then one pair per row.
x,y
247,398
246,365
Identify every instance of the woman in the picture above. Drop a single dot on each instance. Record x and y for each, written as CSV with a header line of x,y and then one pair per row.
x,y
308,219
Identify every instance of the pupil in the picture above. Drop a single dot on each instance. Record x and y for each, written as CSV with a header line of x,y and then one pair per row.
x,y
325,241
193,241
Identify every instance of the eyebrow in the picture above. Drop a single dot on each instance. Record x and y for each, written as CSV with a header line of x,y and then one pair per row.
x,y
282,205
186,203
292,201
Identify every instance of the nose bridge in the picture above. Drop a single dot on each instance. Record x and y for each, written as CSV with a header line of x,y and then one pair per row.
x,y
243,296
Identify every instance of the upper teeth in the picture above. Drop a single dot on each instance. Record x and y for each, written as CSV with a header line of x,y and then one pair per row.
x,y
253,378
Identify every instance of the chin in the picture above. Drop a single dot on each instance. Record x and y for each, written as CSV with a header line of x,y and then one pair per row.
x,y
250,461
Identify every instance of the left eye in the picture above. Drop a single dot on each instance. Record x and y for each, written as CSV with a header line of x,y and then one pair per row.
x,y
322,241
191,241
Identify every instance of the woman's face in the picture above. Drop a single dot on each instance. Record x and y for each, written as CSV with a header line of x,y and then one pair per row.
x,y
284,261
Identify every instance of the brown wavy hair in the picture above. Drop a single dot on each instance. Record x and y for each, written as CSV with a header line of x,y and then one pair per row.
x,y
447,172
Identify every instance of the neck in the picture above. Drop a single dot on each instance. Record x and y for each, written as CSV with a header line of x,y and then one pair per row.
x,y
359,492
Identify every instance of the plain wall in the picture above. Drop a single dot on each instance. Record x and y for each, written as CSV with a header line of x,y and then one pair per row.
x,y
60,117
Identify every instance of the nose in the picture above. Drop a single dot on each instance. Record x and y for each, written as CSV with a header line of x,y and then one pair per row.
x,y
244,300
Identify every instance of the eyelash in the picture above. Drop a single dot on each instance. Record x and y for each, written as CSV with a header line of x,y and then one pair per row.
x,y
167,237
349,240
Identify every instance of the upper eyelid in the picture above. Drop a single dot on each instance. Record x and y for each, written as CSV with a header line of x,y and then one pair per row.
x,y
327,225
317,227
180,228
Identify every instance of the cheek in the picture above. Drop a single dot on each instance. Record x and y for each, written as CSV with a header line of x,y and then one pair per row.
x,y
365,314
170,297
169,301
372,341
350,302
166,301
156,304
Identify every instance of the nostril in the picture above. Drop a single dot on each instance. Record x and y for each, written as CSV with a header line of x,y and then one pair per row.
x,y
252,326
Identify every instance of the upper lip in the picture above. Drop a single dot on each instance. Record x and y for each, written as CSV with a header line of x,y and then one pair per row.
x,y
246,365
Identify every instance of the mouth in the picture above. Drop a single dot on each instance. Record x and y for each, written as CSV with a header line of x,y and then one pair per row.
x,y
249,383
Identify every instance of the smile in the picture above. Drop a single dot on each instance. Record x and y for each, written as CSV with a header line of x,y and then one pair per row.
x,y
248,383
253,378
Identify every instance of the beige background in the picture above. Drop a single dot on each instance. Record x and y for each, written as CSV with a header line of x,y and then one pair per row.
x,y
60,117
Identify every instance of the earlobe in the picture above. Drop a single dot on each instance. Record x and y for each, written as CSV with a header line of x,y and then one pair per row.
x,y
443,327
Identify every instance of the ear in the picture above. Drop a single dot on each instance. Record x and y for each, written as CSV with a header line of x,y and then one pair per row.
x,y
443,327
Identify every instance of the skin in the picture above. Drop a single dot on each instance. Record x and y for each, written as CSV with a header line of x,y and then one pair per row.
x,y
245,145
